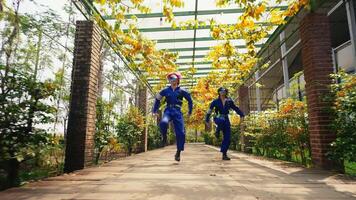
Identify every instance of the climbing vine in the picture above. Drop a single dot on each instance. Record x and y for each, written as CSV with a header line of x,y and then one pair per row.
x,y
232,66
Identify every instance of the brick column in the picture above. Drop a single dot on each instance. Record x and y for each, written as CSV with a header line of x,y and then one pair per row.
x,y
143,106
84,89
245,107
318,65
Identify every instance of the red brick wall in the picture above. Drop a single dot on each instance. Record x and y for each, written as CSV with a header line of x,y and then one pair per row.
x,y
84,91
244,105
318,65
244,99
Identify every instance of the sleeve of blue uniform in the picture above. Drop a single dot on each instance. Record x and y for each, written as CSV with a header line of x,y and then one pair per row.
x,y
208,114
157,102
190,101
237,109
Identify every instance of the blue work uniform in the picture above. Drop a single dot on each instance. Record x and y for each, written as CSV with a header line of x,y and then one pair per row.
x,y
174,99
222,119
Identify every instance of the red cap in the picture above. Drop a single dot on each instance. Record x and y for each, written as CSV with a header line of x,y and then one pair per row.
x,y
177,74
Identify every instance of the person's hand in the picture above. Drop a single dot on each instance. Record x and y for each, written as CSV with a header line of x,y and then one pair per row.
x,y
155,114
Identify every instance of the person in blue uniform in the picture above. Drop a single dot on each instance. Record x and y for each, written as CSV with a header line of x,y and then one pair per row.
x,y
221,106
174,97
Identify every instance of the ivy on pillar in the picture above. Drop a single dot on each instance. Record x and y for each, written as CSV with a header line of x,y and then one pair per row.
x,y
84,92
245,107
142,104
318,65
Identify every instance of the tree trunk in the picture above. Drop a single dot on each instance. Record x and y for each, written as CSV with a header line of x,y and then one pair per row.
x,y
13,178
37,61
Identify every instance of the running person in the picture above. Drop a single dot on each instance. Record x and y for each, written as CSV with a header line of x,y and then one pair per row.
x,y
221,106
174,97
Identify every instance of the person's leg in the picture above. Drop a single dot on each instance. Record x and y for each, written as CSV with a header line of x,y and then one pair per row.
x,y
178,123
226,141
218,127
164,126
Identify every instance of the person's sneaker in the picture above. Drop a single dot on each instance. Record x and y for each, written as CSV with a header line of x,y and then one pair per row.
x,y
177,156
225,157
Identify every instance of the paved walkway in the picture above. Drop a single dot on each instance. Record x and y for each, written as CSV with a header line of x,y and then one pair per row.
x,y
200,175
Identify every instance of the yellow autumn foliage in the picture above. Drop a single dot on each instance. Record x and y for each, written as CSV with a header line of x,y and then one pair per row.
x,y
231,67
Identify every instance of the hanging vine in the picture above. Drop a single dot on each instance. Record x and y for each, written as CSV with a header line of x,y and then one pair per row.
x,y
231,66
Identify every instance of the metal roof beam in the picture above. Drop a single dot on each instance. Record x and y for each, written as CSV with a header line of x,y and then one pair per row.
x,y
191,13
190,56
184,57
196,63
206,48
161,29
200,39
197,73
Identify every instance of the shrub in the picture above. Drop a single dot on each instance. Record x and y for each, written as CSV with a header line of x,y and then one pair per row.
x,y
129,129
235,137
23,106
281,134
154,136
344,147
105,141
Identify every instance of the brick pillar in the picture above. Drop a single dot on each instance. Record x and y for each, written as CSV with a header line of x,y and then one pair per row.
x,y
84,89
318,65
244,103
245,107
143,106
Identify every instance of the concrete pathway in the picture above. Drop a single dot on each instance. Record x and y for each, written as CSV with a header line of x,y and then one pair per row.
x,y
200,175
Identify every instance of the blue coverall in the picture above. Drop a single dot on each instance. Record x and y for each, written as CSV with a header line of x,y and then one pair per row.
x,y
222,119
173,112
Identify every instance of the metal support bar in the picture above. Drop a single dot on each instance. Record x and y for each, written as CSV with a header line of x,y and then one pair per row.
x,y
284,64
161,29
195,63
190,13
352,27
190,57
195,34
206,48
258,94
201,39
265,72
335,7
290,49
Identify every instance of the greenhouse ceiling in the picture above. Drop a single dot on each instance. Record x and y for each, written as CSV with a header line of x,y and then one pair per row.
x,y
192,44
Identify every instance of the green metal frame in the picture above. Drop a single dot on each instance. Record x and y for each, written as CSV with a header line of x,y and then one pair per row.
x,y
162,29
192,13
195,63
200,39
190,57
206,48
90,9
196,73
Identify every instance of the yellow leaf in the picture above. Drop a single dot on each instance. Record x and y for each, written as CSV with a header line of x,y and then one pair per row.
x,y
101,2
